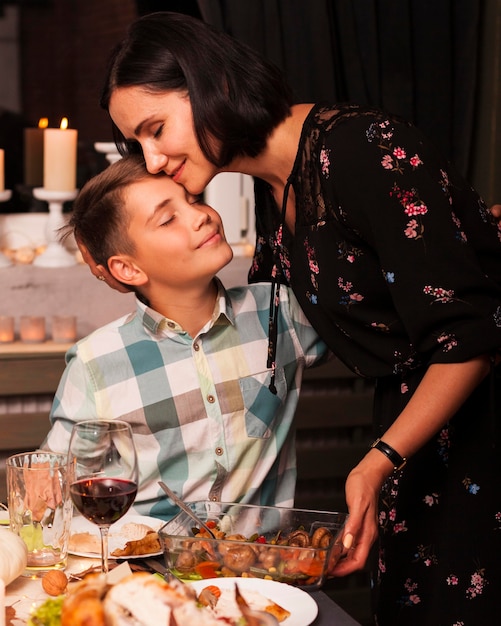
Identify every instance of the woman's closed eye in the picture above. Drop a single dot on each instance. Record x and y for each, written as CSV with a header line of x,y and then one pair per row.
x,y
158,132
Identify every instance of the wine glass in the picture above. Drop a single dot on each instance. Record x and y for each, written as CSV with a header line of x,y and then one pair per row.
x,y
102,474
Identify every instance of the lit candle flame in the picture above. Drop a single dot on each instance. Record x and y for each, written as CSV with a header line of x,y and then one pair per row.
x,y
43,122
64,123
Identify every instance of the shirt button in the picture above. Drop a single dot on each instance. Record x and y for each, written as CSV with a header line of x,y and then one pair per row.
x,y
196,347
211,399
171,325
219,451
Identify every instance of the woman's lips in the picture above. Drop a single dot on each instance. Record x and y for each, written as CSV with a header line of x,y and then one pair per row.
x,y
177,173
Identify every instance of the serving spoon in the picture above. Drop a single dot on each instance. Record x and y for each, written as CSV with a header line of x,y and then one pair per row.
x,y
186,509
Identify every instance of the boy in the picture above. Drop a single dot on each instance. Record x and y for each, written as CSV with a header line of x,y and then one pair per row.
x,y
188,368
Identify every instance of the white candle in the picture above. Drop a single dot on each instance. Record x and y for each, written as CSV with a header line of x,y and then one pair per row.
x,y
2,602
2,179
33,154
60,158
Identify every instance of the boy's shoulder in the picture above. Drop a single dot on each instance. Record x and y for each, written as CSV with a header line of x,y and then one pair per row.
x,y
108,335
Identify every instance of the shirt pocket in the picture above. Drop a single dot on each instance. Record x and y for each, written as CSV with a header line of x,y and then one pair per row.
x,y
260,404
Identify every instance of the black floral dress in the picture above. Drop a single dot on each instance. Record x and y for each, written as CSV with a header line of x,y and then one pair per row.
x,y
397,263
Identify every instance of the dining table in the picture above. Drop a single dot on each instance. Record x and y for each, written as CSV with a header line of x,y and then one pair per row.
x,y
24,593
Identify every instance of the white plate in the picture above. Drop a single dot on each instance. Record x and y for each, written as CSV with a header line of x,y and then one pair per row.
x,y
115,540
303,608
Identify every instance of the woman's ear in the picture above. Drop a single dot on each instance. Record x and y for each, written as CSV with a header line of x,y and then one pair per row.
x,y
124,269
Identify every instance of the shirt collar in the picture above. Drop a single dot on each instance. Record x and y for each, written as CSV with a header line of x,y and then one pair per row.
x,y
160,326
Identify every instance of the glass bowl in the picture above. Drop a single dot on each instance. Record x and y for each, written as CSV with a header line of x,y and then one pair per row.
x,y
294,546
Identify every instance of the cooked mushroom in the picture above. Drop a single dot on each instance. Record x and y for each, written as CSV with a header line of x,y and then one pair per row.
x,y
322,538
186,561
299,538
223,547
240,558
269,557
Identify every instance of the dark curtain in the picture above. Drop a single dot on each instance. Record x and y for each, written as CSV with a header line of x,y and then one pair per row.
x,y
416,58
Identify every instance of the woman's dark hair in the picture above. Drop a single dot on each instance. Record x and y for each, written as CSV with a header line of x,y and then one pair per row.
x,y
237,97
99,219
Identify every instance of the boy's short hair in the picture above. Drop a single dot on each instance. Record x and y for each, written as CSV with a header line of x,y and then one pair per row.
x,y
99,219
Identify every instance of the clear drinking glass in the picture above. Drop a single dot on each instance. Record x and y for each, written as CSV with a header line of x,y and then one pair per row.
x,y
102,473
40,508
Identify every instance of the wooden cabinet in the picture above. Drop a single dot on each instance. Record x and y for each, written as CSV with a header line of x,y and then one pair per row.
x,y
29,375
334,431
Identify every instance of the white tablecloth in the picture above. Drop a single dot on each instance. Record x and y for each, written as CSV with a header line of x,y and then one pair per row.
x,y
23,593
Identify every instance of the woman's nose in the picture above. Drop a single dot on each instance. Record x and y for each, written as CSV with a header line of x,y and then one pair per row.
x,y
155,161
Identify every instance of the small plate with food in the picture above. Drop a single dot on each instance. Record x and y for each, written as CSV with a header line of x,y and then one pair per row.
x,y
133,536
140,598
289,605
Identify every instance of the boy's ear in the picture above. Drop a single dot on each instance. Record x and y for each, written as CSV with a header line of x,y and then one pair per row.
x,y
124,269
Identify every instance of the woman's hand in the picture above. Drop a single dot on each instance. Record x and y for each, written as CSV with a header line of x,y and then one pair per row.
x,y
496,211
99,271
362,492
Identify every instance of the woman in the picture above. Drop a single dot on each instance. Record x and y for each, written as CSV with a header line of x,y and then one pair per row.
x,y
396,262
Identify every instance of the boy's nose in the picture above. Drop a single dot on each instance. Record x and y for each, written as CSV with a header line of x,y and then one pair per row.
x,y
202,217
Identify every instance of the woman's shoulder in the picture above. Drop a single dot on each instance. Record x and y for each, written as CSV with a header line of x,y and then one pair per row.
x,y
325,116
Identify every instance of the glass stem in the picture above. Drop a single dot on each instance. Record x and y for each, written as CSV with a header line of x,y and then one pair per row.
x,y
104,548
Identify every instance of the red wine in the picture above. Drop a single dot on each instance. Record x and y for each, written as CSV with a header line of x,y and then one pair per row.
x,y
103,500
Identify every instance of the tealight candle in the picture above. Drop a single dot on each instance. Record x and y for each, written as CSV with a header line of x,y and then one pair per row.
x,y
6,329
64,328
60,158
32,329
33,154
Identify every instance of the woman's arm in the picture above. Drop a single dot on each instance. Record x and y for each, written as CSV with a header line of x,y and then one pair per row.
x,y
443,390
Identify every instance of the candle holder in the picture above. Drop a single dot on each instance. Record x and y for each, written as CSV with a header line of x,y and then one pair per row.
x,y
109,149
32,328
6,331
5,195
56,254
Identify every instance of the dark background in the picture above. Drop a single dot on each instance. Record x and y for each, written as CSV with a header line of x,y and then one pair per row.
x,y
428,60
436,62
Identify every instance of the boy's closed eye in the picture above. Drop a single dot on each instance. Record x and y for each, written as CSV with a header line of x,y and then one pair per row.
x,y
167,219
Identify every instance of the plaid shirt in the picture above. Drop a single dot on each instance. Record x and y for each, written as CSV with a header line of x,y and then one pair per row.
x,y
203,418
